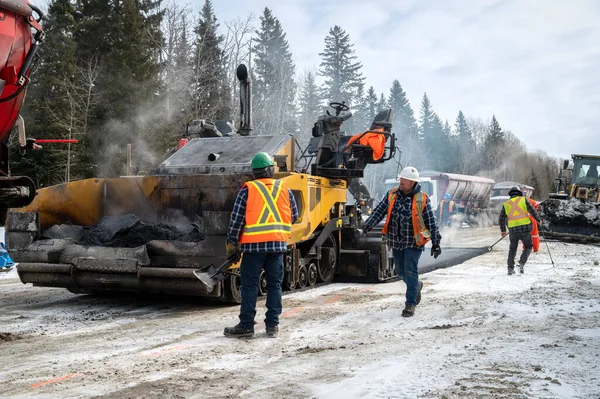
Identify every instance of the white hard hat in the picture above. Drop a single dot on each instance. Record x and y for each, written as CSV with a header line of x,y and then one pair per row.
x,y
410,173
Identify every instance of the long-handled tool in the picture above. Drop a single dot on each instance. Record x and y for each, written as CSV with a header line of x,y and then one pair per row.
x,y
492,246
547,247
213,275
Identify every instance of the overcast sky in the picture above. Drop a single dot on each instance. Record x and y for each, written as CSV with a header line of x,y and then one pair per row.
x,y
535,64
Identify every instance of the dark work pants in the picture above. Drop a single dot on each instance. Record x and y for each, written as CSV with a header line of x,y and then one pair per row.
x,y
406,262
525,237
252,264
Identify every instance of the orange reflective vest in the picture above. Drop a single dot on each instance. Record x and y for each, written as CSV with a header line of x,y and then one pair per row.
x,y
441,207
268,212
374,140
421,233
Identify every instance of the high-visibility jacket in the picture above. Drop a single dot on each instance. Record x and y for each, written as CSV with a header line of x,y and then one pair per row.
x,y
441,207
516,210
421,233
268,212
374,140
535,233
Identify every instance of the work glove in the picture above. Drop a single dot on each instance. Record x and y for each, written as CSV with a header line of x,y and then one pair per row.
x,y
366,228
436,251
233,252
503,234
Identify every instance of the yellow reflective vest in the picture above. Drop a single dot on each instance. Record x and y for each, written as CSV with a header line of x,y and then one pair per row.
x,y
516,210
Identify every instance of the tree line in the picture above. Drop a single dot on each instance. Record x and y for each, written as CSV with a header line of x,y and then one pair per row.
x,y
118,72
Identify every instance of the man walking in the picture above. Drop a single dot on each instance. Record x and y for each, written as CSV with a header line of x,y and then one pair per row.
x,y
263,214
410,224
516,215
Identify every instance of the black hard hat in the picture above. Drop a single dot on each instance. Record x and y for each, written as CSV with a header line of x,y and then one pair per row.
x,y
515,191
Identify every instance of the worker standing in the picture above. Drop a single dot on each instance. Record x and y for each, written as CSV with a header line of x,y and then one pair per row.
x,y
410,224
260,227
516,214
445,210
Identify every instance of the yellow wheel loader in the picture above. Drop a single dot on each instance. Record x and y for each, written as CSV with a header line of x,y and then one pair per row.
x,y
101,234
573,212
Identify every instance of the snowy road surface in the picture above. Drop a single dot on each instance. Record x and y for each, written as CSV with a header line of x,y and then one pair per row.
x,y
478,333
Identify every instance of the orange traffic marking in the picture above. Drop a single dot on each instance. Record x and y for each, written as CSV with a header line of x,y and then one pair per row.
x,y
173,348
291,312
369,288
334,299
53,380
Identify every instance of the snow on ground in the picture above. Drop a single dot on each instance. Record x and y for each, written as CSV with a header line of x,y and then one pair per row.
x,y
478,333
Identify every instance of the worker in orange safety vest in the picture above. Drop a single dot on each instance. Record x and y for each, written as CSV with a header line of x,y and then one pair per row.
x,y
260,226
409,225
446,208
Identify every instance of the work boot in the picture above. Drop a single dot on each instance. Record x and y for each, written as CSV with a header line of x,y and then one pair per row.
x,y
511,270
238,332
272,331
419,292
409,310
521,268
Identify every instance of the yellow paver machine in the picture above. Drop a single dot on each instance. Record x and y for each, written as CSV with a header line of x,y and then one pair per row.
x,y
151,233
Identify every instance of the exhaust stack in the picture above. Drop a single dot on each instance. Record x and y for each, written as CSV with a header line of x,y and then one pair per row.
x,y
245,100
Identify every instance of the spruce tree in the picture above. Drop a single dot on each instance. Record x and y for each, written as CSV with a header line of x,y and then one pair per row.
x,y
274,85
310,107
371,102
211,91
494,145
404,122
340,68
434,145
47,106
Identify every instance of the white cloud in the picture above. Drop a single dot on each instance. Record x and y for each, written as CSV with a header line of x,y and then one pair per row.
x,y
532,63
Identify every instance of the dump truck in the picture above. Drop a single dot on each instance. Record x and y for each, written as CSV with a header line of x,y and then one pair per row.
x,y
572,213
154,233
471,194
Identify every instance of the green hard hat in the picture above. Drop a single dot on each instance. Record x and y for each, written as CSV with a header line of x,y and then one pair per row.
x,y
262,160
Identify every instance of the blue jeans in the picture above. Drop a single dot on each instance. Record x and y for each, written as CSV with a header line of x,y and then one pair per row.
x,y
407,268
252,264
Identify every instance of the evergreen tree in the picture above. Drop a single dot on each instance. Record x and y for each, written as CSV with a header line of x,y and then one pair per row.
x,y
125,40
361,111
371,103
274,85
426,116
339,67
433,136
404,122
382,104
310,107
465,146
211,92
47,107
494,145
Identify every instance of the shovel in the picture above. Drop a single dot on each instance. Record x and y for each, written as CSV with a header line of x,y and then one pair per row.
x,y
213,275
492,246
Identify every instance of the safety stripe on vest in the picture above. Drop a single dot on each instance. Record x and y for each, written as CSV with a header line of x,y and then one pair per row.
x,y
269,199
269,228
515,212
419,198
